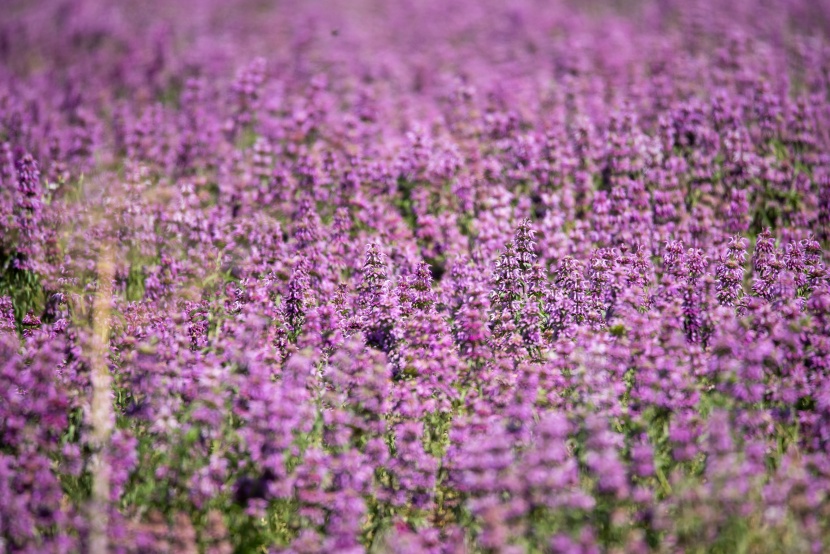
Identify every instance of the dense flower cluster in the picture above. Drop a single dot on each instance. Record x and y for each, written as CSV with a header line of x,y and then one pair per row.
x,y
421,277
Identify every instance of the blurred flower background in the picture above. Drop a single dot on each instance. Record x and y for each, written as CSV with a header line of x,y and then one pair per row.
x,y
414,276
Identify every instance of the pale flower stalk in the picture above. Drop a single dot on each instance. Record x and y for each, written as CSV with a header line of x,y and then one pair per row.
x,y
102,416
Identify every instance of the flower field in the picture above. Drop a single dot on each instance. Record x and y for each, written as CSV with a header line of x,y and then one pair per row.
x,y
433,276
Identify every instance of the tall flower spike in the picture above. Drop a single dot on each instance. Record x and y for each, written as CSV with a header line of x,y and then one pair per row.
x,y
507,299
413,470
525,245
378,309
766,266
245,95
375,280
296,299
28,212
730,272
508,278
673,258
415,291
7,323
307,226
692,296
570,289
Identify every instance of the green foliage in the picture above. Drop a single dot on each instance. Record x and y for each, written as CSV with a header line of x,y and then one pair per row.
x,y
22,286
135,283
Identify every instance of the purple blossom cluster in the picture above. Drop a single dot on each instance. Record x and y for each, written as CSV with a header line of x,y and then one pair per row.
x,y
418,277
